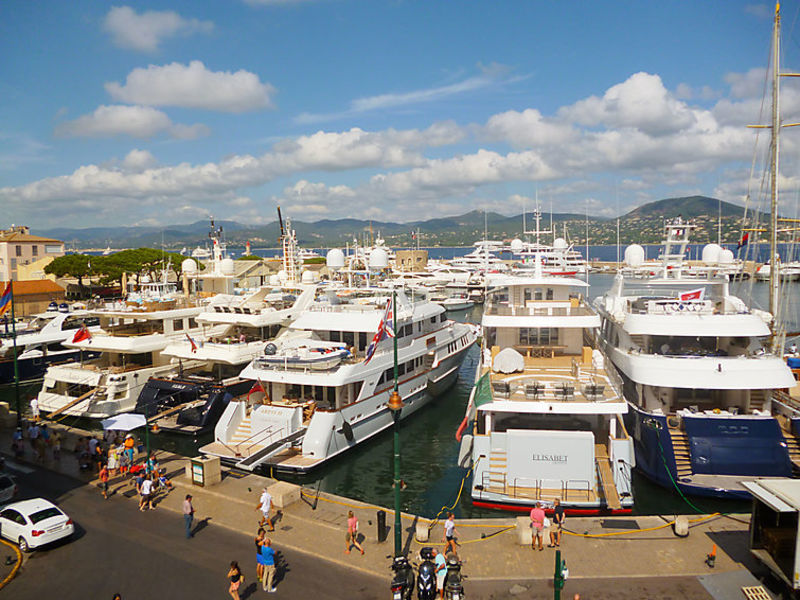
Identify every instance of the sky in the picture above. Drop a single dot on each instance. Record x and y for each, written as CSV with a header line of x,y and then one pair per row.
x,y
159,113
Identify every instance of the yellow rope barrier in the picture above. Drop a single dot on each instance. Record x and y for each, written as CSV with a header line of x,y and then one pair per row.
x,y
17,566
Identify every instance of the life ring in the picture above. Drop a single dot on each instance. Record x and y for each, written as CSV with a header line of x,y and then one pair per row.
x,y
347,430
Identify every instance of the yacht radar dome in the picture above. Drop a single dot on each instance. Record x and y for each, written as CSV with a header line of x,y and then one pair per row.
x,y
226,266
516,245
189,266
335,259
378,259
307,277
560,244
283,276
711,253
274,280
634,255
726,257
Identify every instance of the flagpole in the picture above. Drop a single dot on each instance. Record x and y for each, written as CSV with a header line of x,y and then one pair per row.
x,y
16,366
395,405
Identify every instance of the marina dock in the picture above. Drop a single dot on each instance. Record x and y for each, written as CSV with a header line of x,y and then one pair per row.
x,y
607,548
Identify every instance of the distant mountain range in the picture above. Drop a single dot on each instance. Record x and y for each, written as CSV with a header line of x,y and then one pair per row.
x,y
643,224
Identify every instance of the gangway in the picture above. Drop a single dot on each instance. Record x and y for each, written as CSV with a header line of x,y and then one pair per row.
x,y
251,462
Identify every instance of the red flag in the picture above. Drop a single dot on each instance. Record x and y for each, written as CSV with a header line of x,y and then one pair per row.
x,y
82,334
692,295
256,389
191,341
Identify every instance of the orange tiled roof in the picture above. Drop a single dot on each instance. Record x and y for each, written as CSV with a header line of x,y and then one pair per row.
x,y
36,286
25,237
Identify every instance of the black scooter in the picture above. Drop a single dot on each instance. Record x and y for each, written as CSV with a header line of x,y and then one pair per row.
x,y
426,578
403,580
453,586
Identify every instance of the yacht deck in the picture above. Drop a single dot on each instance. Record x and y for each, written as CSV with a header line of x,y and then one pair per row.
x,y
545,379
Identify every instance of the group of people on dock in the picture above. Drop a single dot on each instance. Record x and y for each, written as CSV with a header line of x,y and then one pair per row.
x,y
545,528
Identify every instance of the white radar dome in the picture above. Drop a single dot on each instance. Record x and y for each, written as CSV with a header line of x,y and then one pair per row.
x,y
189,266
282,276
335,259
274,280
378,259
711,253
516,245
308,277
726,257
226,266
560,244
634,255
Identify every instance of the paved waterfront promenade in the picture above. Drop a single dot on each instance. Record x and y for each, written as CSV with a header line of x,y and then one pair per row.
x,y
616,548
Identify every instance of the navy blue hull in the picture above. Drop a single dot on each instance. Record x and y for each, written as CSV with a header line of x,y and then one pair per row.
x,y
740,447
34,368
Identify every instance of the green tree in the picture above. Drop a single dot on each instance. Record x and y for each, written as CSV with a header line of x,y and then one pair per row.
x,y
70,265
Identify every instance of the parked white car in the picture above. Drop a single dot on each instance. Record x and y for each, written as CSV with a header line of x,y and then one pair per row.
x,y
34,523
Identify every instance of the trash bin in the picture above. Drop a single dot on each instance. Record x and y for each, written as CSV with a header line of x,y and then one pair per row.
x,y
205,470
382,532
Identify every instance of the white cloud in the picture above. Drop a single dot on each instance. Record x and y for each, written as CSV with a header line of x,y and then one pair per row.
x,y
139,160
144,32
135,121
641,102
528,129
193,86
489,76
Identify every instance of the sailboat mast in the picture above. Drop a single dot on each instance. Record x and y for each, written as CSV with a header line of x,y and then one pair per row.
x,y
773,230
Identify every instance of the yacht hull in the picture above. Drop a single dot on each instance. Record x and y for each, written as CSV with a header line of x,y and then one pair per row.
x,y
35,367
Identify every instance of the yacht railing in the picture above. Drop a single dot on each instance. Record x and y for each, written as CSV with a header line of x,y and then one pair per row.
x,y
539,311
539,489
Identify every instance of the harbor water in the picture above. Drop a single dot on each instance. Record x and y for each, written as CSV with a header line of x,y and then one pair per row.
x,y
429,450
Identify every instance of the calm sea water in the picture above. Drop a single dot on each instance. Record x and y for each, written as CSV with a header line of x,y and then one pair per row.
x,y
429,450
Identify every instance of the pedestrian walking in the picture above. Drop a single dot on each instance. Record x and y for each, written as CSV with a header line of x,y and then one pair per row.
x,y
113,460
352,533
537,523
188,515
449,538
236,578
17,443
146,490
268,554
440,570
35,408
104,482
265,506
260,537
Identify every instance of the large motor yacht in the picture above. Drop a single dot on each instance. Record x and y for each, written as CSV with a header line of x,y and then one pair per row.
x,y
133,335
545,418
39,342
317,390
708,402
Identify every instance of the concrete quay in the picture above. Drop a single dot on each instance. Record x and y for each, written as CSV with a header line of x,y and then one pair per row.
x,y
631,548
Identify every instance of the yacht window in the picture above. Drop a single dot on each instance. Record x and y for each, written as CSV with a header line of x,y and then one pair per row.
x,y
537,294
177,325
348,337
410,366
527,294
362,340
388,374
192,323
537,336
336,336
401,369
549,293
433,320
441,318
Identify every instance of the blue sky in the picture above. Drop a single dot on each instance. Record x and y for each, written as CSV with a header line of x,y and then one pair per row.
x,y
162,113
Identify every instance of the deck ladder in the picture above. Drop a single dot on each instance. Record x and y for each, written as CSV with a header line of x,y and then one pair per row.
x,y
683,456
606,478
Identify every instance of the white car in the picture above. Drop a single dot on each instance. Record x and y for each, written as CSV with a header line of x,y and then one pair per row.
x,y
34,523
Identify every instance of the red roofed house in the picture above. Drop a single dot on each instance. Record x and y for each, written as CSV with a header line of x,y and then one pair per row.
x,y
18,248
31,297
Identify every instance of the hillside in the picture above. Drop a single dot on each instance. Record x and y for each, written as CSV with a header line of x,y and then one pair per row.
x,y
643,224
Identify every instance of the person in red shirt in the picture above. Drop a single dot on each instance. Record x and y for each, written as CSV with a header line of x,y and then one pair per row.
x,y
104,481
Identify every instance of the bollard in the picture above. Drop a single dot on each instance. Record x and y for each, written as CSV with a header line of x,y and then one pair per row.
x,y
382,532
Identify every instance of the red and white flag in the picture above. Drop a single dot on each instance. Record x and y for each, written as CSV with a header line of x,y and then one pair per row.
x,y
257,389
385,330
692,295
82,334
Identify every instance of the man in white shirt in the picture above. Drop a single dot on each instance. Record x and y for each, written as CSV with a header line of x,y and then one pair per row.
x,y
265,505
35,408
147,494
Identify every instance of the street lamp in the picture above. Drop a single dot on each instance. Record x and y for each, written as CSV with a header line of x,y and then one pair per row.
x,y
395,405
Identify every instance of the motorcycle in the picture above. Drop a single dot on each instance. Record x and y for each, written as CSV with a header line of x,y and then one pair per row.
x,y
403,580
426,577
453,586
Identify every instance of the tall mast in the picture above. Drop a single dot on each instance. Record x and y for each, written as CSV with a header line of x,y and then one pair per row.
x,y
773,230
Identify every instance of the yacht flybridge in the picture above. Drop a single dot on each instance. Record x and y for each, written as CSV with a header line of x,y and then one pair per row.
x,y
316,393
708,406
545,418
